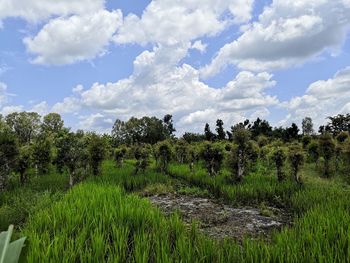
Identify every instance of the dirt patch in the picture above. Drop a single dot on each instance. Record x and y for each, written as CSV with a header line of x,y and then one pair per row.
x,y
222,221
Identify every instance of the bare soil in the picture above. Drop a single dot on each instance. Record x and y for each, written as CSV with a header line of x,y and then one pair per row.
x,y
222,221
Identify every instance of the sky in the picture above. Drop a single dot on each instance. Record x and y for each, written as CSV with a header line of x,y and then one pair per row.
x,y
95,61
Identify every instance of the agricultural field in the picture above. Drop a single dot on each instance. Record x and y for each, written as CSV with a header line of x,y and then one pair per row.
x,y
243,198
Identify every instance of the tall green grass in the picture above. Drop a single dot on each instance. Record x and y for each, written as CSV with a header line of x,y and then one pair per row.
x,y
97,221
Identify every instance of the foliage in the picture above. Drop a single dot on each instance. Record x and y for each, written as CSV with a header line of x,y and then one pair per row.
x,y
163,156
141,154
145,130
8,156
221,134
25,125
213,157
296,158
307,126
42,154
327,150
279,157
96,152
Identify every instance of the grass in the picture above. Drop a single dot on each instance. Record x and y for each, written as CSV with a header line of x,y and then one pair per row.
x,y
19,202
99,221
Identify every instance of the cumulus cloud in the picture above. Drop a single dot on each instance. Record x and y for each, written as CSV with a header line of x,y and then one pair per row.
x,y
159,86
3,93
97,122
171,22
288,32
67,40
10,109
322,99
39,10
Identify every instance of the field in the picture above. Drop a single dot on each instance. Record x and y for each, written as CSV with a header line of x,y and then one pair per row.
x,y
107,218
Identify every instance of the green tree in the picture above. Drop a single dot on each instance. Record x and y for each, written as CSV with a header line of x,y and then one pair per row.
x,y
164,153
42,154
242,151
52,124
327,150
97,151
213,157
209,136
8,156
307,126
221,134
296,159
119,155
72,154
25,161
181,151
279,158
169,125
25,124
141,154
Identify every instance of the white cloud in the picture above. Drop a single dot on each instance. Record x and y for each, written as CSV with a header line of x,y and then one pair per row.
x,y
171,22
198,45
159,86
77,38
322,99
42,108
10,109
3,93
96,122
39,10
288,32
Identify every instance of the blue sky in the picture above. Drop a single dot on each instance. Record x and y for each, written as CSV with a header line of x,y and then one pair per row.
x,y
94,61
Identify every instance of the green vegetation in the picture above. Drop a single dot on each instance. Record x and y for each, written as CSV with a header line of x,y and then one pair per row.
x,y
81,197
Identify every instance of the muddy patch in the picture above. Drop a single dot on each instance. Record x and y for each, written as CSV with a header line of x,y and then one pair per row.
x,y
222,221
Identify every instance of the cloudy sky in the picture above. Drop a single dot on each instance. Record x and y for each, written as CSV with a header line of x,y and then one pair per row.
x,y
94,61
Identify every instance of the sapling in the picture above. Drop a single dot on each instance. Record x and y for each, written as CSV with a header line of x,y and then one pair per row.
x,y
279,157
296,158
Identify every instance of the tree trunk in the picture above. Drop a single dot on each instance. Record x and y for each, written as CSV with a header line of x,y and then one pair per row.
x,y
71,179
240,170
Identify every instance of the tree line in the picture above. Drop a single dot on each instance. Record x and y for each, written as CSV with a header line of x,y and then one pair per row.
x,y
34,145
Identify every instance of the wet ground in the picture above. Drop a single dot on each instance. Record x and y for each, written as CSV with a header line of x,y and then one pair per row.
x,y
223,221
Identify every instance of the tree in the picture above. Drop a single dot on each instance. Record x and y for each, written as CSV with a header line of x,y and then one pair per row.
x,y
213,157
52,124
313,151
25,125
193,137
342,136
296,158
209,136
163,154
327,150
181,151
96,150
291,133
240,153
261,127
72,153
307,126
119,155
42,154
141,155
25,160
8,156
149,130
279,158
338,124
168,125
221,135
